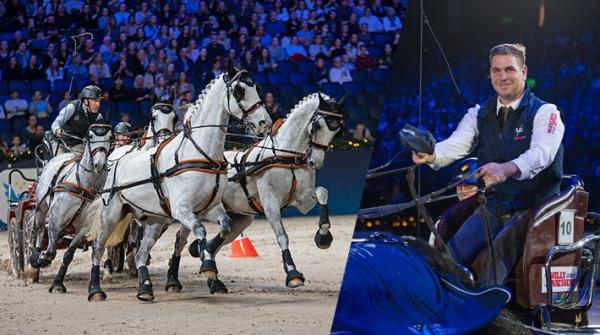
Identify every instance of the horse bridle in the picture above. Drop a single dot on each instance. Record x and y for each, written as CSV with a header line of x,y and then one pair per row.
x,y
234,89
318,115
164,108
93,128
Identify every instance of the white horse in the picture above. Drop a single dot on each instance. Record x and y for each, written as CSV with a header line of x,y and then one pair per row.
x,y
66,185
181,178
162,125
272,175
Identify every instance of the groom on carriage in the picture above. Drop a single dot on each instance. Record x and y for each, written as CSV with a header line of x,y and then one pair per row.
x,y
73,121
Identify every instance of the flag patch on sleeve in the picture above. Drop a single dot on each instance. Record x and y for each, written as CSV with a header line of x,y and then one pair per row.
x,y
552,123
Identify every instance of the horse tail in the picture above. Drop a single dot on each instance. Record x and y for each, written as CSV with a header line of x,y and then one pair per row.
x,y
119,233
93,213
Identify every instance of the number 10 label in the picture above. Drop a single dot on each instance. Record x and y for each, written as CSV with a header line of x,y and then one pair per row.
x,y
566,227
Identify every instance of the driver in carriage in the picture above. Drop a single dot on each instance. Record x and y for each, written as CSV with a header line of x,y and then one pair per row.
x,y
122,133
73,121
517,139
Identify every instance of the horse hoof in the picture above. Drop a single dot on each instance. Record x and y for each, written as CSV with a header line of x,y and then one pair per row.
x,y
32,273
209,274
173,285
296,282
216,286
323,241
294,279
97,296
145,296
173,289
57,288
145,292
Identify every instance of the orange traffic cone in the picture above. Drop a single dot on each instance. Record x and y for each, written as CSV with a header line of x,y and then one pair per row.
x,y
242,247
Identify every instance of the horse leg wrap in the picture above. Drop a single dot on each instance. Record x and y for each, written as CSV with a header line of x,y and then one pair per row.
x,y
323,215
197,247
173,275
290,268
214,244
60,276
68,257
58,281
288,262
139,236
323,237
208,265
34,258
94,287
35,255
216,286
145,292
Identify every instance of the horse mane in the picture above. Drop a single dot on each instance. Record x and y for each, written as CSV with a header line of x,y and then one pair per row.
x,y
309,98
192,109
305,106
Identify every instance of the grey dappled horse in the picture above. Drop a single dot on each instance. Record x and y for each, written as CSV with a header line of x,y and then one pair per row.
x,y
181,178
273,174
65,187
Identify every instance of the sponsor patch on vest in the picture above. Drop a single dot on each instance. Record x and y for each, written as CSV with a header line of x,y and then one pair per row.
x,y
519,133
552,123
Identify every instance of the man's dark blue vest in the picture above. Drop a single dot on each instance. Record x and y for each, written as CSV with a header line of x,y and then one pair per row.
x,y
79,123
515,139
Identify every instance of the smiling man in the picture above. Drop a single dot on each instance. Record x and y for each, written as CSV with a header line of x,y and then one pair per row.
x,y
517,138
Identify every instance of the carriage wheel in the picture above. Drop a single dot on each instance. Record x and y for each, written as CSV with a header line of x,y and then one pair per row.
x,y
15,244
118,257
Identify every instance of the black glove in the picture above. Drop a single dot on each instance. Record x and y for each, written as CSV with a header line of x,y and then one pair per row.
x,y
416,139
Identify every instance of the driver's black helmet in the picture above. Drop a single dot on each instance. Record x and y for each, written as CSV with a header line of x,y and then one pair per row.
x,y
123,127
91,92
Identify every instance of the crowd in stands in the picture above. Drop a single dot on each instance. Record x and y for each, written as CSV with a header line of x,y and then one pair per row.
x,y
569,76
49,50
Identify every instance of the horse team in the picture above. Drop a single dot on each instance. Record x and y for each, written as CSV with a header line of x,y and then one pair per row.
x,y
187,177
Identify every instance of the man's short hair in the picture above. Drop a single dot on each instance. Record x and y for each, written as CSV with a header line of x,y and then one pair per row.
x,y
514,49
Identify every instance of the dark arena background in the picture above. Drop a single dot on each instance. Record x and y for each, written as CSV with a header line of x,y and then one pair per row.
x,y
563,43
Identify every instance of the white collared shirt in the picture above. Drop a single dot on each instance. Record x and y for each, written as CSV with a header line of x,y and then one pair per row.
x,y
513,104
547,134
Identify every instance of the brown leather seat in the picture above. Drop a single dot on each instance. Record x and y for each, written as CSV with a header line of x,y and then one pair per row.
x,y
545,231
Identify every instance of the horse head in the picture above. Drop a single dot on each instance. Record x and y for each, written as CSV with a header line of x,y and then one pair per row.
x,y
98,141
244,102
327,123
162,116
